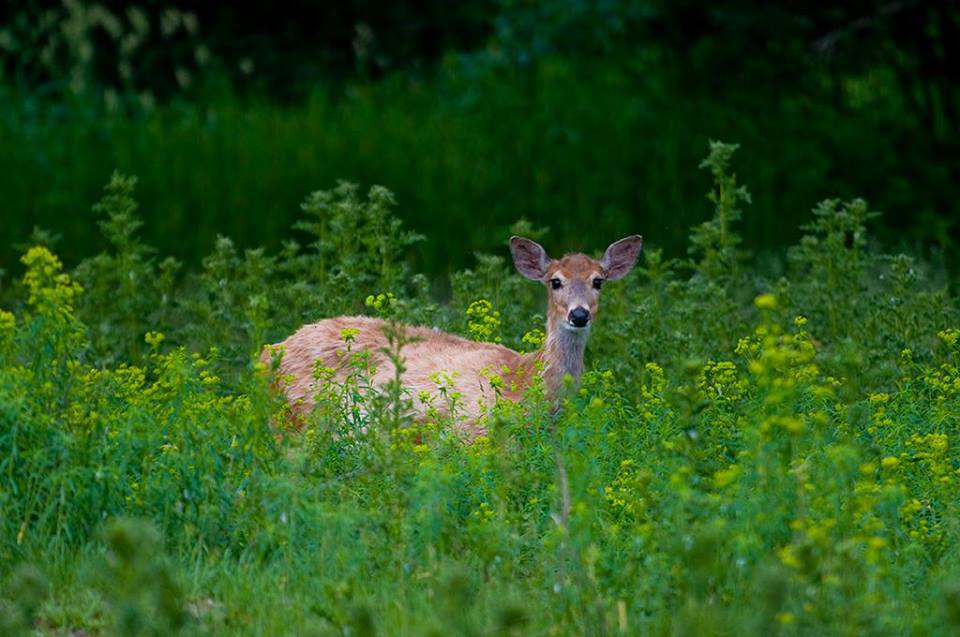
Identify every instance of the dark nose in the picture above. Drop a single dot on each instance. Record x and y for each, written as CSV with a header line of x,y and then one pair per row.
x,y
579,317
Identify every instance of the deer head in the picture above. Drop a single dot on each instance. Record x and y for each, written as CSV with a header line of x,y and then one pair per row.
x,y
574,281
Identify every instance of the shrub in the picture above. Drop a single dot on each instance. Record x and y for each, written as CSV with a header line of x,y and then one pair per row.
x,y
747,453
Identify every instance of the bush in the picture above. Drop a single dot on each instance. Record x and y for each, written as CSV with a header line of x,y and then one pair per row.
x,y
748,453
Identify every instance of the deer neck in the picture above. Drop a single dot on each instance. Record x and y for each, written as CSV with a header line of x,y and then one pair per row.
x,y
562,354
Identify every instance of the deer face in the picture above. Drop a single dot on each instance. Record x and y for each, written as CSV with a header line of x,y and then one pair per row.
x,y
574,281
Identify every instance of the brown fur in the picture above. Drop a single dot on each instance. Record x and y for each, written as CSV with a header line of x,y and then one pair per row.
x,y
429,352
433,351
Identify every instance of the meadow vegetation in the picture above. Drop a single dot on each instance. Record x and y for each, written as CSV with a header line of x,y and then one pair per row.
x,y
581,116
756,448
581,146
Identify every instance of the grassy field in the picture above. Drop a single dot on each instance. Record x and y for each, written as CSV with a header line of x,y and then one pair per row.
x,y
754,450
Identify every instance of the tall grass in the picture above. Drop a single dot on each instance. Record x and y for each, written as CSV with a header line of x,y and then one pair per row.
x,y
588,150
746,455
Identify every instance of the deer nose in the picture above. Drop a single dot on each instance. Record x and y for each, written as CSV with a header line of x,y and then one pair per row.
x,y
579,317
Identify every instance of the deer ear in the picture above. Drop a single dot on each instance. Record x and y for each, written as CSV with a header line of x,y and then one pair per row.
x,y
529,258
621,256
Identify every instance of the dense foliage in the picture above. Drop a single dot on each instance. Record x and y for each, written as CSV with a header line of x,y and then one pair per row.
x,y
755,449
559,110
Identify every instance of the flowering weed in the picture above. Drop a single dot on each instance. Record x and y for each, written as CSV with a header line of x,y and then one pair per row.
x,y
746,454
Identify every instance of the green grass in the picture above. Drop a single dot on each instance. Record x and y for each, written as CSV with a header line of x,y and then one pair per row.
x,y
752,451
589,150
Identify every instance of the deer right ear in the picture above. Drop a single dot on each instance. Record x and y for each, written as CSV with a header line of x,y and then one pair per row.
x,y
529,258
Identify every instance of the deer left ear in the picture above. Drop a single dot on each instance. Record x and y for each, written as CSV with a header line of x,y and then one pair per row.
x,y
621,256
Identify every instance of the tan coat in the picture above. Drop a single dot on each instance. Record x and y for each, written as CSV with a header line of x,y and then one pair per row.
x,y
432,359
436,359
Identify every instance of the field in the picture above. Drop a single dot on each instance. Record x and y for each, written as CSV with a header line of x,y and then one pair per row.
x,y
757,448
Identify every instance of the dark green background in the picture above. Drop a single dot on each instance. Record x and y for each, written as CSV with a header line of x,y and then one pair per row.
x,y
589,118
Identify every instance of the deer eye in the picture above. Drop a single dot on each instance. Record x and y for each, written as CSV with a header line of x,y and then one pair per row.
x,y
598,283
556,284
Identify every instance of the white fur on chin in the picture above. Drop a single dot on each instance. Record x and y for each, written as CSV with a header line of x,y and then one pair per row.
x,y
570,327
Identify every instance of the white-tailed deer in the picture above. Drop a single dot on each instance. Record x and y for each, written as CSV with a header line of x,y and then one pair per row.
x,y
573,285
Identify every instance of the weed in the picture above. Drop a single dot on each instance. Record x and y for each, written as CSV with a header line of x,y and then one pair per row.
x,y
746,453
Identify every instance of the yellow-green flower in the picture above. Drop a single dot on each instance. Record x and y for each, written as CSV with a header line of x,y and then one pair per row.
x,y
766,301
484,323
949,336
7,321
723,477
785,618
535,338
153,339
890,462
47,286
789,557
381,303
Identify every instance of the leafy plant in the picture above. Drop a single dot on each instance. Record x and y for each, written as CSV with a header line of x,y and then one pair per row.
x,y
747,452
